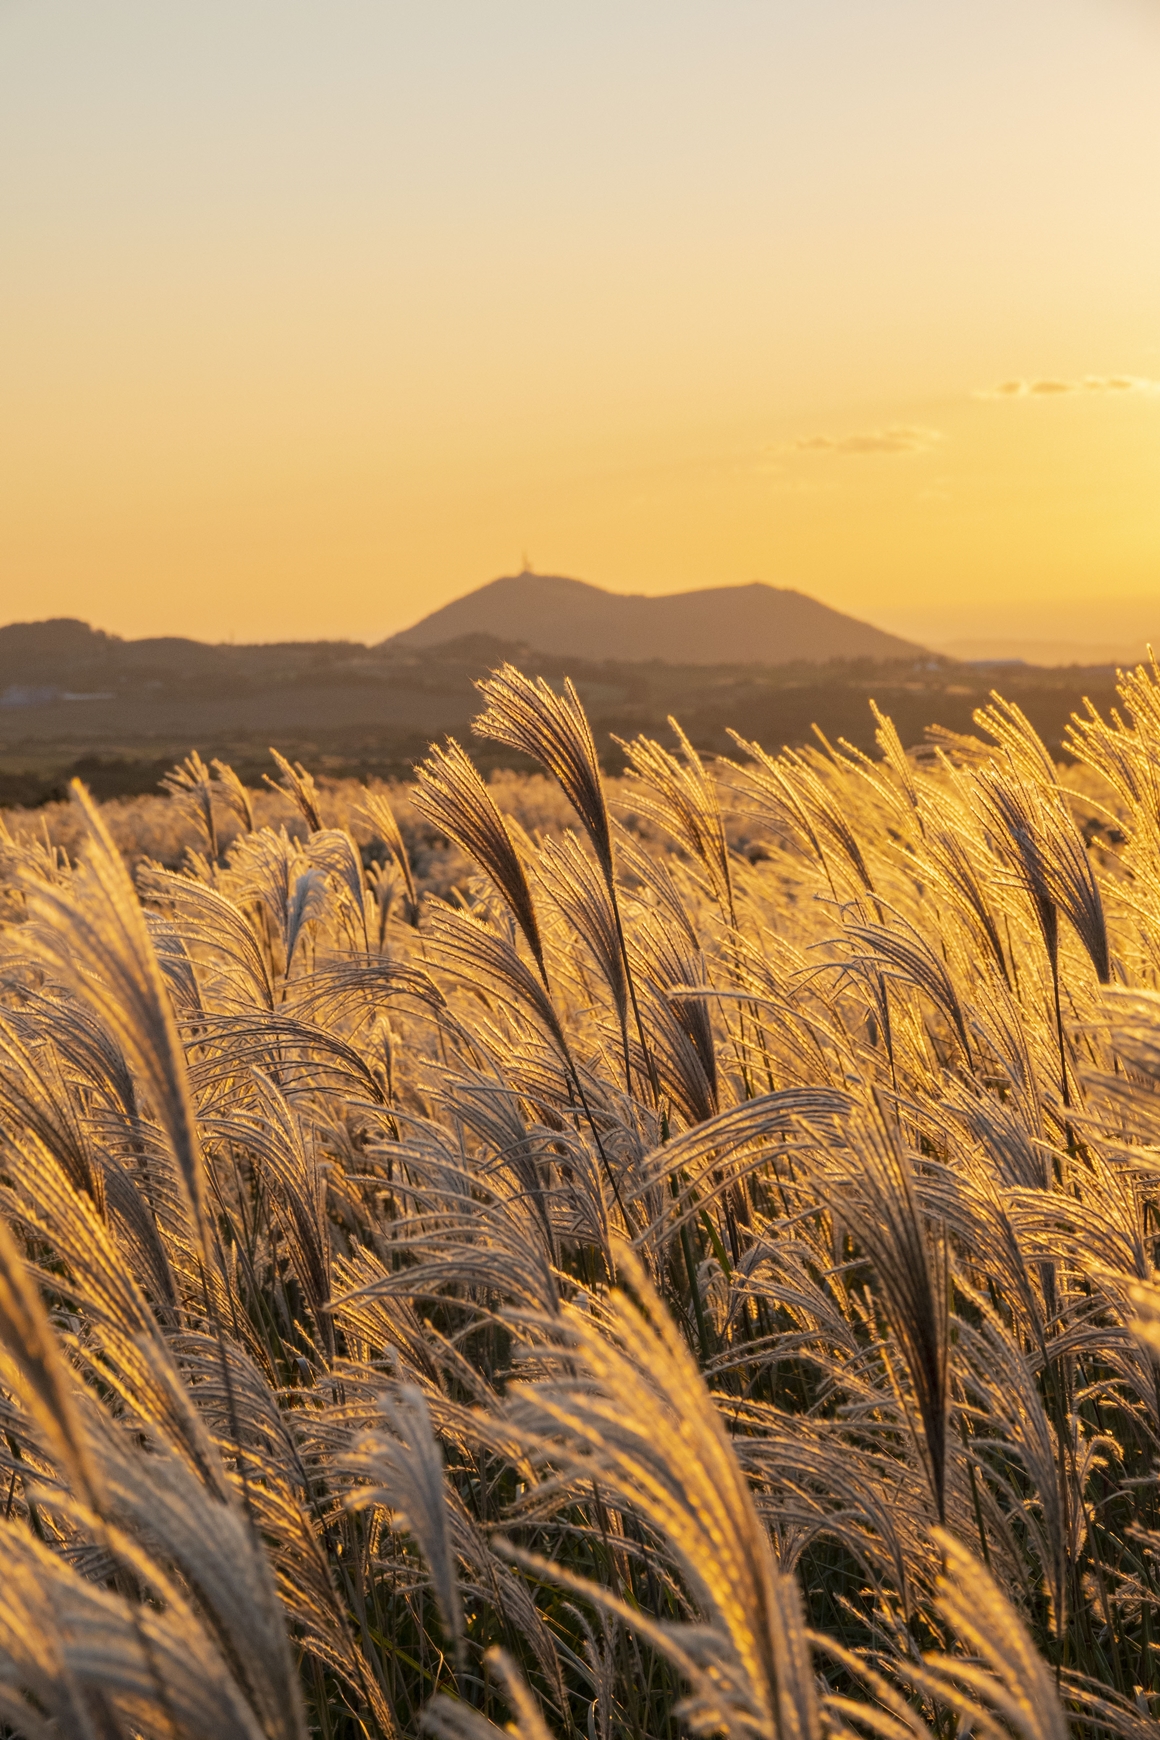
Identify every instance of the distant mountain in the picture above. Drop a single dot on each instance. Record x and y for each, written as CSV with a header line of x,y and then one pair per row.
x,y
718,625
1045,652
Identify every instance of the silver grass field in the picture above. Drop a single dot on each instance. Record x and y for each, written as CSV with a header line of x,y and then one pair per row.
x,y
591,1258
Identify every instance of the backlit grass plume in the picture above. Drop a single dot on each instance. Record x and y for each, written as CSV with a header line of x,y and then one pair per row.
x,y
628,1410
451,794
91,934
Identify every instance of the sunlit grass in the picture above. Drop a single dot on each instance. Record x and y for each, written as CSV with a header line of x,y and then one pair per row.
x,y
609,1256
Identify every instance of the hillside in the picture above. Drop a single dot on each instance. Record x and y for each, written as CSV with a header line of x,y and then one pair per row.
x,y
64,658
118,713
718,625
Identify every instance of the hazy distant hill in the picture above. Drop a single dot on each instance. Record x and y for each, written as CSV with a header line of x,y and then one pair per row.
x,y
1003,649
719,625
67,655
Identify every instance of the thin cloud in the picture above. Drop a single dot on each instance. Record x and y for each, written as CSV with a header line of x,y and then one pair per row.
x,y
899,438
1050,388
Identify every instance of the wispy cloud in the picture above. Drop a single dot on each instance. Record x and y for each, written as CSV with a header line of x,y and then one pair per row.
x,y
898,438
1051,388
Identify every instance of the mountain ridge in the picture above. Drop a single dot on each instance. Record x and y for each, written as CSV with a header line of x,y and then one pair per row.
x,y
718,625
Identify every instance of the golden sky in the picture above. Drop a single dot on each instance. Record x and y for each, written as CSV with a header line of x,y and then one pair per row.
x,y
315,314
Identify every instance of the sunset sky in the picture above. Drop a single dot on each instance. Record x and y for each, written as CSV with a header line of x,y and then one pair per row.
x,y
315,314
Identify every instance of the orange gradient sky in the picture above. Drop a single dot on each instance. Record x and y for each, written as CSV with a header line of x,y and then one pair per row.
x,y
315,314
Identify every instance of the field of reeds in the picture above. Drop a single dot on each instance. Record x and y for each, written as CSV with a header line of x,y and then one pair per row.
x,y
601,1258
